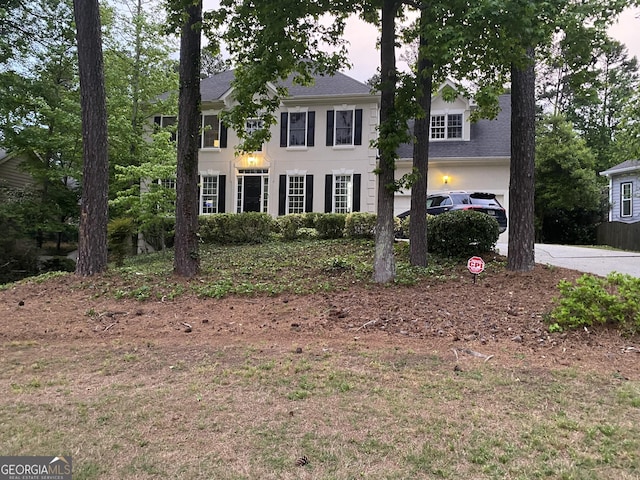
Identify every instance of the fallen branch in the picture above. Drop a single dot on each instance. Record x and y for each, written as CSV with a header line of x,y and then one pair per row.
x,y
473,353
370,322
109,326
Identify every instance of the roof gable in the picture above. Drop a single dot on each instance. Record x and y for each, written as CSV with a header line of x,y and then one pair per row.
x,y
624,167
219,87
488,138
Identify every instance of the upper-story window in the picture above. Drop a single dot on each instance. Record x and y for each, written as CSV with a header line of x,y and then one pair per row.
x,y
168,122
446,126
210,132
297,128
253,125
626,199
344,127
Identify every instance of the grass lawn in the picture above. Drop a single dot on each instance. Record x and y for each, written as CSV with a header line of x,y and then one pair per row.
x,y
331,410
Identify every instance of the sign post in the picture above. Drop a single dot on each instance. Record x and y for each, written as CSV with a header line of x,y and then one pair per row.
x,y
475,266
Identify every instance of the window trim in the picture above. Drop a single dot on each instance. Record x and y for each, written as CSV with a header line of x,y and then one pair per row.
x,y
344,108
303,179
626,200
298,110
202,132
446,115
348,194
216,196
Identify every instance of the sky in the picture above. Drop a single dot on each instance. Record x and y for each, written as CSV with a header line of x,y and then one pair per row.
x,y
365,58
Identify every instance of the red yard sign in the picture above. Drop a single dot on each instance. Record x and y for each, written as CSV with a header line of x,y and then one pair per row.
x,y
475,265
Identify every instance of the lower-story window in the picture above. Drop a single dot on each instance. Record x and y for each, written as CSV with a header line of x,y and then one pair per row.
x,y
342,193
626,199
208,194
295,194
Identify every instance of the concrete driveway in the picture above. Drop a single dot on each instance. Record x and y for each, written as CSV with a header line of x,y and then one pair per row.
x,y
585,259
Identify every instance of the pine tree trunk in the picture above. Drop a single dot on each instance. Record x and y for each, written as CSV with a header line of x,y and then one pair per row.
x,y
92,243
384,265
418,230
521,185
186,260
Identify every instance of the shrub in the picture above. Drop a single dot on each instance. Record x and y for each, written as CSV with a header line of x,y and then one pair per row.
x,y
331,225
462,233
120,233
307,233
288,225
160,232
236,228
596,300
58,264
360,225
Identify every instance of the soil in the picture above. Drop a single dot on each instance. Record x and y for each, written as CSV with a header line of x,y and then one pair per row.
x,y
500,318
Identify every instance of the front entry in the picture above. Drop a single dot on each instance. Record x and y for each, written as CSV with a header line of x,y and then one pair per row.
x,y
252,193
253,190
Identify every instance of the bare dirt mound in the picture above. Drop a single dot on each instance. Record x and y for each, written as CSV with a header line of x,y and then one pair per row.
x,y
500,318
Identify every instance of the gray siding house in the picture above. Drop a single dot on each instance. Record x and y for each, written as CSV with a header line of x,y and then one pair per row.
x,y
624,191
11,174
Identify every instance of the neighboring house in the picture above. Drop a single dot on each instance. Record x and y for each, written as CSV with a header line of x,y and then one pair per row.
x,y
11,173
624,191
319,158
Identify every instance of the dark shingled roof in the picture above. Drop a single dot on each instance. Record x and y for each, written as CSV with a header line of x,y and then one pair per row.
x,y
213,87
489,138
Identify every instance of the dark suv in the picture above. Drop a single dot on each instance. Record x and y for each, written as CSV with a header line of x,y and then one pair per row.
x,y
438,203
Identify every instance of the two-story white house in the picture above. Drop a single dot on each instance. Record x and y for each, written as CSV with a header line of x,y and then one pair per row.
x,y
319,157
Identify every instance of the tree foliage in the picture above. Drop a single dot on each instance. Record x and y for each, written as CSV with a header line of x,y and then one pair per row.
x,y
589,78
569,201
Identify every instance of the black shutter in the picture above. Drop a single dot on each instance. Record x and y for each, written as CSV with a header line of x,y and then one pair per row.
x,y
222,191
157,120
329,128
357,135
284,119
311,128
223,135
328,193
357,181
308,196
282,195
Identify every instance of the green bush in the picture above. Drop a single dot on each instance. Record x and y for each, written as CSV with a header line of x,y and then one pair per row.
x,y
462,233
58,264
120,232
331,225
596,300
307,233
360,225
288,225
160,232
236,228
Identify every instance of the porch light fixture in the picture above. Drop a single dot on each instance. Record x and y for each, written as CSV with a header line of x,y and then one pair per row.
x,y
445,179
252,161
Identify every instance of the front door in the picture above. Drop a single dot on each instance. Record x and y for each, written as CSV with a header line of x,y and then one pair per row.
x,y
252,192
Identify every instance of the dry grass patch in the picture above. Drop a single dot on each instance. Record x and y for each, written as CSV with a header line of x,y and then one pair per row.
x,y
148,411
